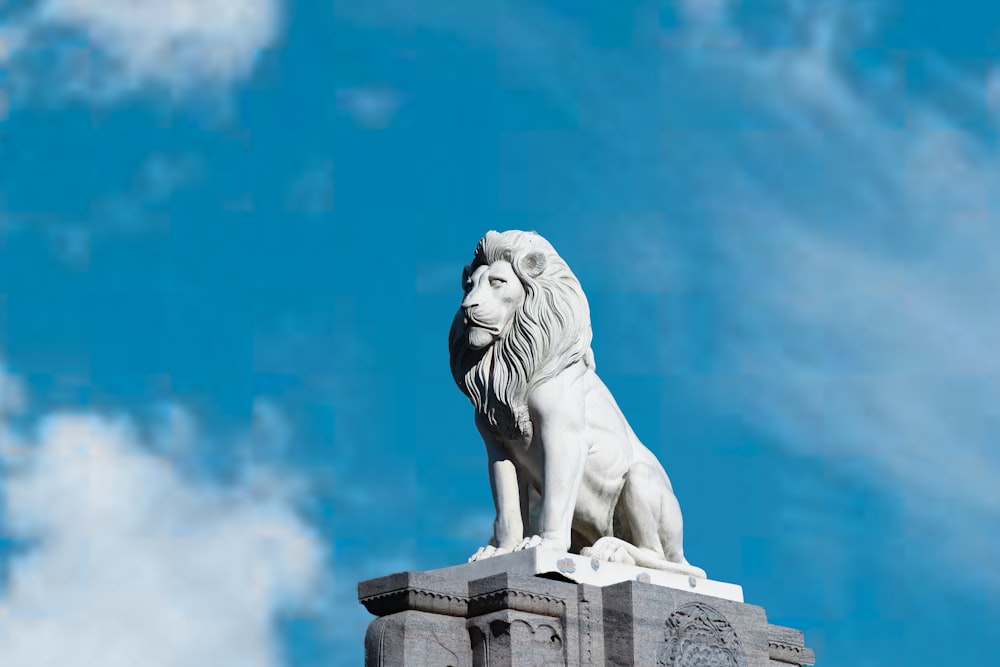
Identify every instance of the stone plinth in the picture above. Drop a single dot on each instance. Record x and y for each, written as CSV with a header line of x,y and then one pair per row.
x,y
526,610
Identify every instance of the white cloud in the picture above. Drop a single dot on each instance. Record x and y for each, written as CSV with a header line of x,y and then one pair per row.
x,y
128,562
178,46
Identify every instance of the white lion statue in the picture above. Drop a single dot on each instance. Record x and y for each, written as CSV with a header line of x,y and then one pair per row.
x,y
520,350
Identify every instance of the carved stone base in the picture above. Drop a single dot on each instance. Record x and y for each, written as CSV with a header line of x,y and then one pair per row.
x,y
514,619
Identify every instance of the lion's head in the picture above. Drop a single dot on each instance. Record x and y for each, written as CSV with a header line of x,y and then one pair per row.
x,y
523,320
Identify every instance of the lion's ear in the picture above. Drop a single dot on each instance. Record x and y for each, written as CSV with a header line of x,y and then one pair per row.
x,y
533,264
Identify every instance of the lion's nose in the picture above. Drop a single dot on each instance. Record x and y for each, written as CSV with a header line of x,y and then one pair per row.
x,y
469,304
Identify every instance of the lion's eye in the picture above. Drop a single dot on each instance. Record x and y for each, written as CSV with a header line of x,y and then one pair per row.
x,y
497,282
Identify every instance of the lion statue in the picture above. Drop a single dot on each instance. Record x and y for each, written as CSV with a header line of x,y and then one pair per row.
x,y
520,350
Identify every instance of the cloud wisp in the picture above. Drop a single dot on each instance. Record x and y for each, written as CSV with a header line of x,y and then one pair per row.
x,y
859,287
106,48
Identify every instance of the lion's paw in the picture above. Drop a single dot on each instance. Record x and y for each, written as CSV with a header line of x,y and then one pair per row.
x,y
541,543
529,543
487,552
611,551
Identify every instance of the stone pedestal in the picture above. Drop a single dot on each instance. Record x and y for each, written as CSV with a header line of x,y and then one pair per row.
x,y
538,609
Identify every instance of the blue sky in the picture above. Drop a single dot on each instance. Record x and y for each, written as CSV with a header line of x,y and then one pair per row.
x,y
231,235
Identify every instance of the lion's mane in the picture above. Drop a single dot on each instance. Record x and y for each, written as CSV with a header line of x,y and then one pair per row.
x,y
549,332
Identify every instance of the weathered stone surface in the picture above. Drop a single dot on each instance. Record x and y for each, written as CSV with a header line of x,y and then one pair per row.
x,y
476,616
510,638
417,638
651,625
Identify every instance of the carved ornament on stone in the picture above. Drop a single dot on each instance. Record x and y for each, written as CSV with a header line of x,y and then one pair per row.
x,y
698,635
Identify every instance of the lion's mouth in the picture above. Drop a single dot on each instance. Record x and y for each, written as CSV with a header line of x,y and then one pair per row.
x,y
473,322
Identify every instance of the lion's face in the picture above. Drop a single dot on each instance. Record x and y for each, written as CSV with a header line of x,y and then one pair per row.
x,y
493,294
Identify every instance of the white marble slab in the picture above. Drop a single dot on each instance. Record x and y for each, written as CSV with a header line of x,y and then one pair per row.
x,y
585,570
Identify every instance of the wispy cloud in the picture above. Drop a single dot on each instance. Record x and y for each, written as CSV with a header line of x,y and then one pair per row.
x,y
12,393
311,193
126,560
860,290
372,107
138,209
106,48
706,23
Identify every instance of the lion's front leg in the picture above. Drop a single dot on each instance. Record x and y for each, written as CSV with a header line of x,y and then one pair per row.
x,y
558,417
510,497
